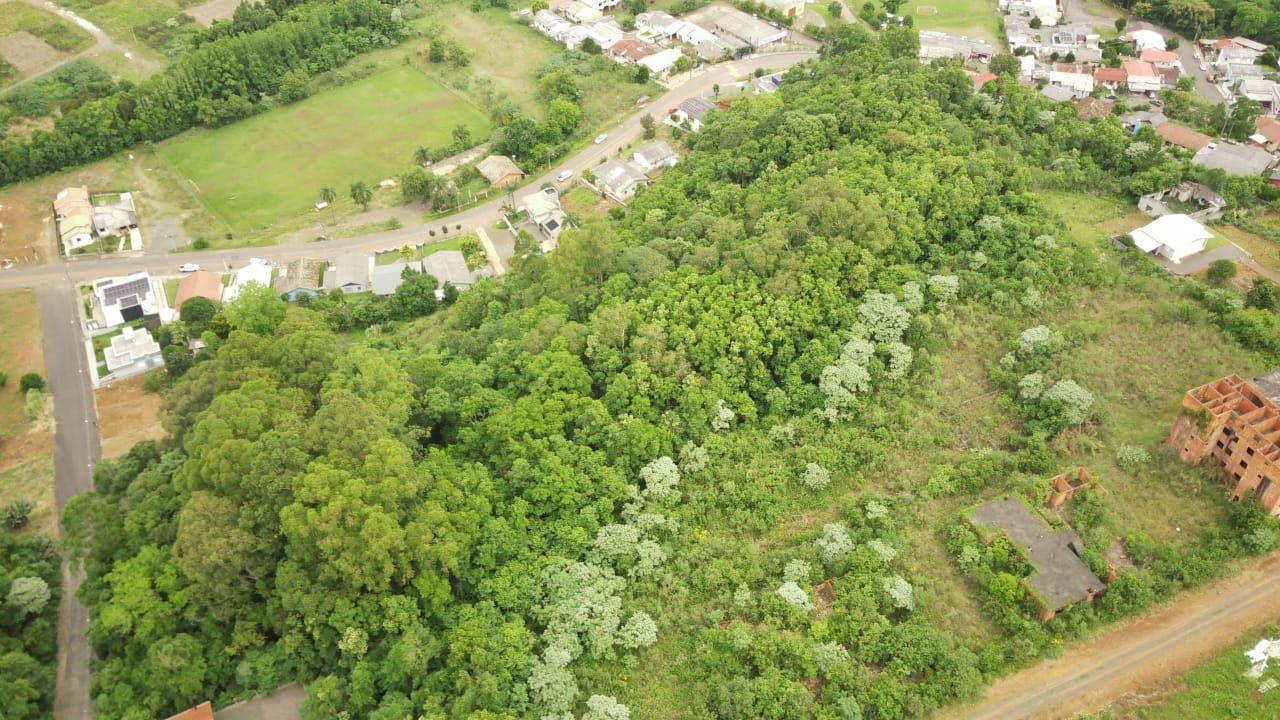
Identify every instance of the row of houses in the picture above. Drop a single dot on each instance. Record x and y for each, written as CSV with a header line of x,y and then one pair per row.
x,y
1232,63
1152,71
659,39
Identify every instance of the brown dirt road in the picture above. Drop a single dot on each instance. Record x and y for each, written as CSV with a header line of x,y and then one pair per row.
x,y
1147,652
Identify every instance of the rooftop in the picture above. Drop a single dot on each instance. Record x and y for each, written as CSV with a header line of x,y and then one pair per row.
x,y
1234,159
496,168
203,284
1060,577
129,347
1183,136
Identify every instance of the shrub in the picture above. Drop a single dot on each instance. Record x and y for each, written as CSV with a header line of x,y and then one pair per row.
x,y
29,594
1264,295
1131,457
4,378
35,404
1220,271
815,477
794,595
30,381
17,514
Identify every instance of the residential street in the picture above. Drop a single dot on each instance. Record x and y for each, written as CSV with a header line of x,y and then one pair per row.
x,y
1139,657
76,448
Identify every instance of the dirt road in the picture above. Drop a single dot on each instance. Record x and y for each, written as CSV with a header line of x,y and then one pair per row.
x,y
1145,653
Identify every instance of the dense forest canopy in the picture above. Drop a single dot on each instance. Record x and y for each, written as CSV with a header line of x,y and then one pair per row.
x,y
491,512
1256,19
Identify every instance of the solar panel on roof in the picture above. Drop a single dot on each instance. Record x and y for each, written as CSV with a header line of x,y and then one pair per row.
x,y
136,288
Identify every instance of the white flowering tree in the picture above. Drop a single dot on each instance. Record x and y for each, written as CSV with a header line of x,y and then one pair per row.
x,y
604,707
794,595
661,480
833,544
815,477
943,289
798,571
639,631
829,655
900,592
884,317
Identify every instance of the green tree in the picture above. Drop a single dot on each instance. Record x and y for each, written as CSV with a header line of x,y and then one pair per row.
x,y
647,122
256,309
1221,271
197,311
1005,64
28,594
1264,294
30,381
362,194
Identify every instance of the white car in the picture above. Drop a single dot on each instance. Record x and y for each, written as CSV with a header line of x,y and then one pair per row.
x,y
601,138
188,267
565,175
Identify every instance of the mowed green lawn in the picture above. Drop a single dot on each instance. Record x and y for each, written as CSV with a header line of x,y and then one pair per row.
x,y
974,18
271,167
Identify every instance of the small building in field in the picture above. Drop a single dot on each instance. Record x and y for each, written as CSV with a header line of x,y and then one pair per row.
x,y
655,154
550,24
348,273
606,33
126,298
201,283
132,352
787,8
301,278
500,171
1059,575
619,179
1209,204
1176,237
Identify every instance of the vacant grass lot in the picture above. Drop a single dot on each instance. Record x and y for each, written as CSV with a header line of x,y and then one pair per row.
x,y
974,18
26,449
270,168
57,32
126,21
127,416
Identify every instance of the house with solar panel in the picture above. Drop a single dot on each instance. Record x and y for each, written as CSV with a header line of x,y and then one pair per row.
x,y
126,298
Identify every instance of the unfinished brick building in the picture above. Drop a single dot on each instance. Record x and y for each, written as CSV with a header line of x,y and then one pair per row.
x,y
1237,422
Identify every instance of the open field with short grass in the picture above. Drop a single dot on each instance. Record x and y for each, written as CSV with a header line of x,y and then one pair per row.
x,y
127,415
131,22
1265,252
366,131
974,18
26,447
60,34
1216,689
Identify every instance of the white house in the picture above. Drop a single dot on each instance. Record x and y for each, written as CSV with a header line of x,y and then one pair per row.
x,y
661,63
132,352
574,36
550,24
579,13
606,34
657,25
1173,236
690,112
1141,76
1144,39
619,179
600,5
349,273
126,297
788,8
1078,78
687,32
654,155
257,271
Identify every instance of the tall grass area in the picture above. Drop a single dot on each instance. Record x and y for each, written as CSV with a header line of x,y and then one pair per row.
x,y
974,18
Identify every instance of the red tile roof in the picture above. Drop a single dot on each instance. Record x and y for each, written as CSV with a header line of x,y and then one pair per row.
x,y
1138,68
1183,136
1153,55
1268,127
983,79
203,711
198,284
1112,75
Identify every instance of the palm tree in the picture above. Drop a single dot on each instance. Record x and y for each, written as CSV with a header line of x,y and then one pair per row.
x,y
362,194
329,197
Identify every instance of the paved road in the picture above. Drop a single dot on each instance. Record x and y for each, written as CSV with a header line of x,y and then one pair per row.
x,y
76,448
483,215
1140,656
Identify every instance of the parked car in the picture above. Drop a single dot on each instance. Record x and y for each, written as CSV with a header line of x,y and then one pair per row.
x,y
564,175
188,267
601,138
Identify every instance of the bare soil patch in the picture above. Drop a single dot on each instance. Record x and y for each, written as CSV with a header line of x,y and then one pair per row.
x,y
127,416
27,53
206,13
20,352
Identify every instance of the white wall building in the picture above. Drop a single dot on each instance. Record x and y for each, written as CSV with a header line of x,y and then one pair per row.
x,y
1173,236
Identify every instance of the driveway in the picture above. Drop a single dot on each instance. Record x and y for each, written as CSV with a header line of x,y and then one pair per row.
x,y
76,448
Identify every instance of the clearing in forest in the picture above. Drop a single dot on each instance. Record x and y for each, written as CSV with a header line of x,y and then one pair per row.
x,y
270,168
206,13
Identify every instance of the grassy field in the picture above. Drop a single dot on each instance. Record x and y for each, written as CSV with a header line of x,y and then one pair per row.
x,y
366,131
128,21
1216,689
1265,252
974,18
61,34
26,448
417,253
